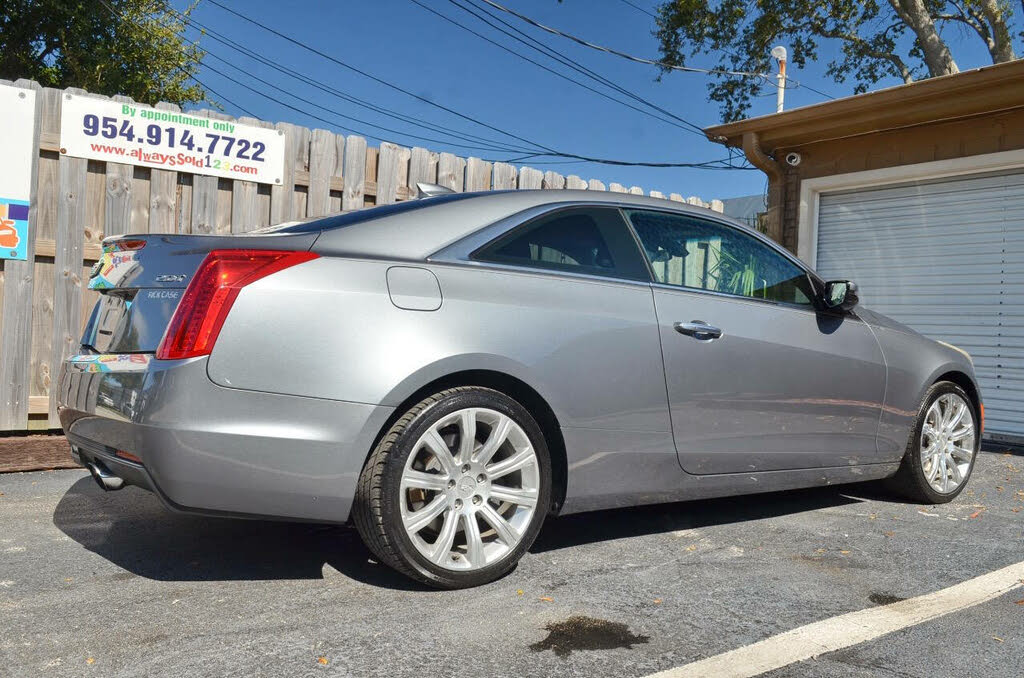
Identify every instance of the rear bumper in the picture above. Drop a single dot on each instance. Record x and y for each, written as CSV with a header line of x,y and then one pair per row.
x,y
210,449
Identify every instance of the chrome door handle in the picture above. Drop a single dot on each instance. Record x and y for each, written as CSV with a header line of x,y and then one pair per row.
x,y
698,329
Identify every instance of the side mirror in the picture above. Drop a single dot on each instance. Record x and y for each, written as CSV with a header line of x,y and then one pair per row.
x,y
841,294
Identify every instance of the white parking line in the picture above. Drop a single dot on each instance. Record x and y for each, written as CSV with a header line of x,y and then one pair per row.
x,y
849,629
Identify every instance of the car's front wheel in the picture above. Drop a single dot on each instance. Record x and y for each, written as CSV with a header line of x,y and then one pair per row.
x,y
456,491
942,448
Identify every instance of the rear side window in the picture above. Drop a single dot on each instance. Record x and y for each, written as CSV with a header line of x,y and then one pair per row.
x,y
591,240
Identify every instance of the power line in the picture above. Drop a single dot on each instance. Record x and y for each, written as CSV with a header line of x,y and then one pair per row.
x,y
536,45
797,83
642,60
540,65
205,30
221,96
306,101
549,152
609,50
363,73
332,112
640,9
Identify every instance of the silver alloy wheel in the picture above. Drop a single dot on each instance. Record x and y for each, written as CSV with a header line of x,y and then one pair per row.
x,y
947,442
469,489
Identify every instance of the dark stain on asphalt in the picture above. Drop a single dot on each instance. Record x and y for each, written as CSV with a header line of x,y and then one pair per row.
x,y
884,598
586,633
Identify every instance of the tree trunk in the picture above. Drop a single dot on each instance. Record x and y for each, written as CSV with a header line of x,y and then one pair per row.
x,y
936,53
1002,44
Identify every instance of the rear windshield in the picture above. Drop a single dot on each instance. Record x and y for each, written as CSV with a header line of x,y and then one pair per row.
x,y
358,216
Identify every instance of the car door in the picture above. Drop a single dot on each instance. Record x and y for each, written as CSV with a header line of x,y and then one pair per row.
x,y
758,378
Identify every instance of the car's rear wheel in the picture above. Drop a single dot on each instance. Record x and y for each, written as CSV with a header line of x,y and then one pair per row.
x,y
943,447
456,491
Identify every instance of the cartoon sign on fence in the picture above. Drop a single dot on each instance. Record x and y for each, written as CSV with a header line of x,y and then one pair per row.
x,y
17,113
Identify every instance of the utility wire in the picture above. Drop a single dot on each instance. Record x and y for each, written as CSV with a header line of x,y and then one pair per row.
x,y
540,65
609,50
536,45
640,9
340,115
652,62
381,81
548,151
304,100
205,30
221,96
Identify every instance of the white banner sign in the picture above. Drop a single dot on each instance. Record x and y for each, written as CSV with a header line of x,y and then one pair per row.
x,y
17,124
100,129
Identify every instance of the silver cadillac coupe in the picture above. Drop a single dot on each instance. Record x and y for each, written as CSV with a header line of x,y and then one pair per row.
x,y
446,373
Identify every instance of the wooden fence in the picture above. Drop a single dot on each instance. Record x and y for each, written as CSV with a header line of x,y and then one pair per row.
x,y
77,202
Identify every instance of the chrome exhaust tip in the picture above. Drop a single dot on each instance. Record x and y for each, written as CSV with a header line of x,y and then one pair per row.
x,y
107,481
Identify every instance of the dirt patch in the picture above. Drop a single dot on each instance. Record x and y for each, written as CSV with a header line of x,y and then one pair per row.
x,y
586,633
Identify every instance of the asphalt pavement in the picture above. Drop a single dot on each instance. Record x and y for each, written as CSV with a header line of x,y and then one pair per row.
x,y
114,585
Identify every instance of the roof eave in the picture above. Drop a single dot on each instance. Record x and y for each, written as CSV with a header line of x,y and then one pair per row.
x,y
983,90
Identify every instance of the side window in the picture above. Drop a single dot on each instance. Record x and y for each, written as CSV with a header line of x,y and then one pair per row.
x,y
592,240
691,252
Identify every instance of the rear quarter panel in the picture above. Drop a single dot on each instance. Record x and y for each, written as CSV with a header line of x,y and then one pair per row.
x,y
328,329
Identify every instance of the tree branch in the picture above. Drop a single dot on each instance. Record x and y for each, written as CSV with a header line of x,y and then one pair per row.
x,y
900,67
936,52
1001,45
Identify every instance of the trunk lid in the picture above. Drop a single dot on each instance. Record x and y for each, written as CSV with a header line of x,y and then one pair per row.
x,y
141,279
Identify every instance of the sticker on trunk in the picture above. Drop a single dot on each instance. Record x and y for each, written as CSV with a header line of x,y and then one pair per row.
x,y
111,362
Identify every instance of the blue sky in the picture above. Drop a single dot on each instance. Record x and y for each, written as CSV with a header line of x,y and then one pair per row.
x,y
404,44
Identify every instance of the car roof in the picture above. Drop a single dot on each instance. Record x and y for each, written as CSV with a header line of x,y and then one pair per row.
x,y
417,229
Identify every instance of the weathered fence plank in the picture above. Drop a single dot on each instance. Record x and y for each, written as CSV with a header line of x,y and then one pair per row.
x,y
573,181
530,178
67,302
40,368
595,185
553,180
388,167
504,176
422,168
355,173
204,204
281,194
322,160
451,171
478,175
300,161
338,176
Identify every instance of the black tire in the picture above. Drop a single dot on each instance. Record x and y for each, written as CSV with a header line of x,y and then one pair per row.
x,y
376,510
910,480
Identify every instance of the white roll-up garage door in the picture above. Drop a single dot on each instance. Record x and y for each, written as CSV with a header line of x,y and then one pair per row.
x,y
945,257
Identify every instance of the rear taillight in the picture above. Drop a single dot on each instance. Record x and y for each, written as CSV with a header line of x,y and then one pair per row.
x,y
207,300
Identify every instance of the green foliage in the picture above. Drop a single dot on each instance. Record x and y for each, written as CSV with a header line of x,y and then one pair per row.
x,y
877,39
130,47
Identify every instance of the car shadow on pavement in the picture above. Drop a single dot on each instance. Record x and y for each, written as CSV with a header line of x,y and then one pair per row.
x,y
585,528
133,530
